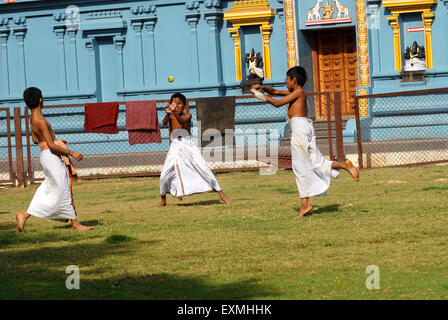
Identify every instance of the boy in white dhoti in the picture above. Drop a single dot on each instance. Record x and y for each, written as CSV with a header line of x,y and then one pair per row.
x,y
313,172
53,199
185,171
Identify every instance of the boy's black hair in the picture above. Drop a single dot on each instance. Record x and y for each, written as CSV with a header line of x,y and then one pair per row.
x,y
299,73
180,96
32,97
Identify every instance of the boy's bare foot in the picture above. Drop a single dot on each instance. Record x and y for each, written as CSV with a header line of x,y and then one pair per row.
x,y
162,202
224,198
352,169
303,211
21,219
79,226
227,200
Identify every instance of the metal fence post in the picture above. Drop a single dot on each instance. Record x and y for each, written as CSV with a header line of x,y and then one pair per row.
x,y
338,124
358,133
330,134
19,146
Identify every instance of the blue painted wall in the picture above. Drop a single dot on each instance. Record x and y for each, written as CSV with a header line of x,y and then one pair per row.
x,y
125,49
384,76
304,7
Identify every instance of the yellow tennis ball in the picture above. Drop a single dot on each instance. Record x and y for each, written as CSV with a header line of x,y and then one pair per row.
x,y
170,78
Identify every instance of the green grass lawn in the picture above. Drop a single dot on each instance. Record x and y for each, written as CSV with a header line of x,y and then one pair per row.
x,y
198,248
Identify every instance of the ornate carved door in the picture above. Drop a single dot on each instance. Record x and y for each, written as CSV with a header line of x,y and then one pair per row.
x,y
335,67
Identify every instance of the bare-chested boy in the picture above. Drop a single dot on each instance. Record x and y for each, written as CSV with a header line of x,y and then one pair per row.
x,y
53,199
312,171
185,171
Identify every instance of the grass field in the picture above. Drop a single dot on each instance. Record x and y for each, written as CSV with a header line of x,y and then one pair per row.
x,y
198,248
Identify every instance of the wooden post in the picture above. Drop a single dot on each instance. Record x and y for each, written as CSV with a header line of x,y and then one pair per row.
x,y
28,146
8,130
19,148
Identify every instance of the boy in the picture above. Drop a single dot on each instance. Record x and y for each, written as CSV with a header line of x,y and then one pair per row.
x,y
53,199
185,171
313,172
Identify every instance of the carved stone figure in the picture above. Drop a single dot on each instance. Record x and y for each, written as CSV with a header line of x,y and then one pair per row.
x,y
313,13
415,58
343,11
327,10
415,51
255,65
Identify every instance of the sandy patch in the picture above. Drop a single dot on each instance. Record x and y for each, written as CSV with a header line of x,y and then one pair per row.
x,y
395,182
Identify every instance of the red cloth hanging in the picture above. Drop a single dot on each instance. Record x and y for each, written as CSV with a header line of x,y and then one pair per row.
x,y
142,122
101,117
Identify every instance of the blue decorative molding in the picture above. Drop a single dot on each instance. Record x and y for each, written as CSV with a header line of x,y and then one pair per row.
x,y
20,21
4,65
192,5
214,19
192,17
280,12
145,17
104,14
60,17
72,61
212,4
59,30
119,42
144,11
104,22
19,32
445,2
4,23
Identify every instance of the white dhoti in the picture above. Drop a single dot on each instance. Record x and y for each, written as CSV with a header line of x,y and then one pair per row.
x,y
53,198
313,172
185,171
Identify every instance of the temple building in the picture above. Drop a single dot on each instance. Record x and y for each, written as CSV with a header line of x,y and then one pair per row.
x,y
97,51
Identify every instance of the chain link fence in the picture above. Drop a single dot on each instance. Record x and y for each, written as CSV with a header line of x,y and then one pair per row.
x,y
258,130
259,140
404,128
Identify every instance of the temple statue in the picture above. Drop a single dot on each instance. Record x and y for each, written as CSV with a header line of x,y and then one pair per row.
x,y
415,58
255,63
256,72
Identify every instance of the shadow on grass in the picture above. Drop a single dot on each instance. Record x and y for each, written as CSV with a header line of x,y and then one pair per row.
x,y
118,238
286,191
435,189
325,209
200,203
8,226
88,223
9,236
41,274
3,212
